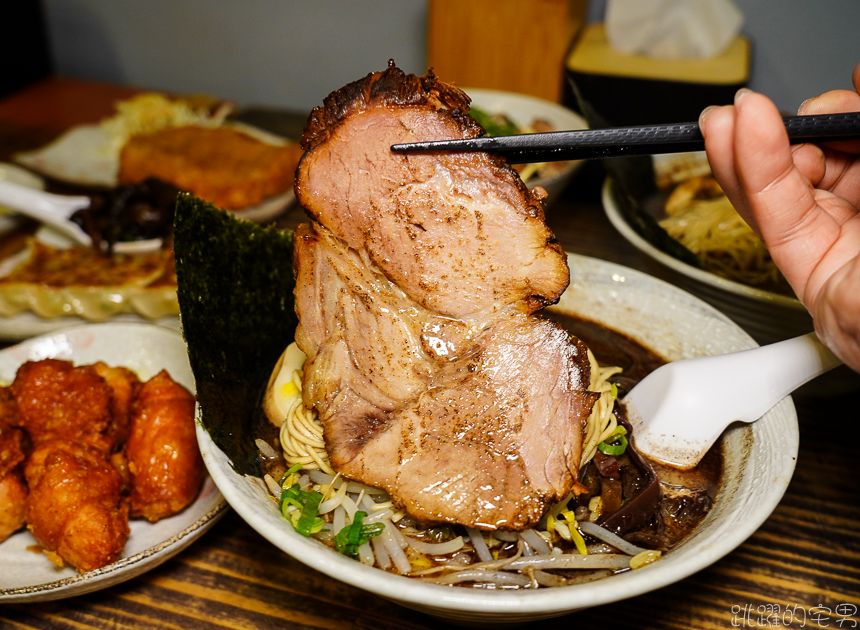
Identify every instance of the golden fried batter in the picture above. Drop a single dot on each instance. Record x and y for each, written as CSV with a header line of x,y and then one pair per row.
x,y
122,383
57,400
163,457
13,490
221,165
8,409
76,510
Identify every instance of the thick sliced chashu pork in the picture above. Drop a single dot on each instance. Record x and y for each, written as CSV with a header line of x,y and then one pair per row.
x,y
417,286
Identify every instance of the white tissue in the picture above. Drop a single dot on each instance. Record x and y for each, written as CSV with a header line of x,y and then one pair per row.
x,y
672,29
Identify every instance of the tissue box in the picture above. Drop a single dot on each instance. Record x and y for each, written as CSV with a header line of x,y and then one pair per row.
x,y
638,90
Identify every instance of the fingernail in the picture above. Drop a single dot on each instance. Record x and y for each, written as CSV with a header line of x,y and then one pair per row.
x,y
741,93
705,112
804,104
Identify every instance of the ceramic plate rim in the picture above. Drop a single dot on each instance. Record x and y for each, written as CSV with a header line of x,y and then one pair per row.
x,y
614,215
479,95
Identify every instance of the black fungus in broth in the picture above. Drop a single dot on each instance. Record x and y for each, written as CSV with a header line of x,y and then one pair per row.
x,y
685,497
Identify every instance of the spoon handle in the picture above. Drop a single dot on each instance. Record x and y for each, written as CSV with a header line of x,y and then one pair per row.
x,y
784,366
51,209
680,409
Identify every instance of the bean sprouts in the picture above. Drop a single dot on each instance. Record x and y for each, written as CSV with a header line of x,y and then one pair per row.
x,y
528,558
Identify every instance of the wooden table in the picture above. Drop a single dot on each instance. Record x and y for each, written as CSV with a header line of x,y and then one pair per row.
x,y
803,560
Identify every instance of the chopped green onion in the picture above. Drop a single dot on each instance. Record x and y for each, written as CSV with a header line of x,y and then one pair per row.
x,y
350,538
301,508
293,469
614,389
615,444
309,520
494,125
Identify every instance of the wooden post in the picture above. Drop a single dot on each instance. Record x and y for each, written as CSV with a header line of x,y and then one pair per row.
x,y
513,45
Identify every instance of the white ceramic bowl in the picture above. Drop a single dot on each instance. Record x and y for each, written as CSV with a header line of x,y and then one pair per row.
x,y
523,109
768,317
759,463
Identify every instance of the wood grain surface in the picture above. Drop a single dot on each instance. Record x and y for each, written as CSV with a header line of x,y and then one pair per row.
x,y
801,569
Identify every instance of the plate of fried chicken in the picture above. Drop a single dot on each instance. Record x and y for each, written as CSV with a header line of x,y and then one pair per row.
x,y
101,478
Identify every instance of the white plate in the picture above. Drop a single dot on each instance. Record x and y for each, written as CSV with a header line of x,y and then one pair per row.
x,y
145,349
25,325
522,110
86,155
759,463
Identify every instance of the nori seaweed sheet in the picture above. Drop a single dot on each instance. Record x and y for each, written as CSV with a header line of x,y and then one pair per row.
x,y
235,291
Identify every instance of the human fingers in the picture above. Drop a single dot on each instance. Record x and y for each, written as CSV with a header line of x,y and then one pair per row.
x,y
831,102
855,77
717,126
839,190
835,312
833,171
779,196
835,102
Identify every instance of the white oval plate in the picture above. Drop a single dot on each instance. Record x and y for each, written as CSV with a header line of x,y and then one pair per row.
x,y
146,349
522,110
759,463
86,155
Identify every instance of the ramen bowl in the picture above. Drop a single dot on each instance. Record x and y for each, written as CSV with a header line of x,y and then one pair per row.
x,y
759,461
768,317
522,110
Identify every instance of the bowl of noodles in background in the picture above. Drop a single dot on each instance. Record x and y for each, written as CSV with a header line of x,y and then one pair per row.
x,y
736,275
757,464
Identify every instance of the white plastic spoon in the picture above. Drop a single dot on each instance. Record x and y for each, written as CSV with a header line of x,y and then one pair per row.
x,y
55,210
678,411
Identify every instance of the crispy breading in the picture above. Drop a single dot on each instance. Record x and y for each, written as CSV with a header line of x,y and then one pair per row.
x,y
8,409
13,503
226,167
163,456
57,400
14,445
122,383
76,510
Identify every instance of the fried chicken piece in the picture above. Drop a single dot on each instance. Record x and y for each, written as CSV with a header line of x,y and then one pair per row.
x,y
8,409
76,510
13,503
163,458
122,382
13,490
221,165
57,400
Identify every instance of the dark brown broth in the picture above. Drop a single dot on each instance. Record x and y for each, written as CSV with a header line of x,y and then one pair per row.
x,y
611,347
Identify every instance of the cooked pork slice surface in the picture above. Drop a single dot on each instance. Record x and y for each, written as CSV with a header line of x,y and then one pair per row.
x,y
417,284
458,233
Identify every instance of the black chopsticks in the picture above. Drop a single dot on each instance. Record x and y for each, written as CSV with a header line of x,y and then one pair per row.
x,y
555,146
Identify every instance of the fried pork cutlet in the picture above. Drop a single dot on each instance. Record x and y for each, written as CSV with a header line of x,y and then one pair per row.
x,y
163,457
76,510
226,167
